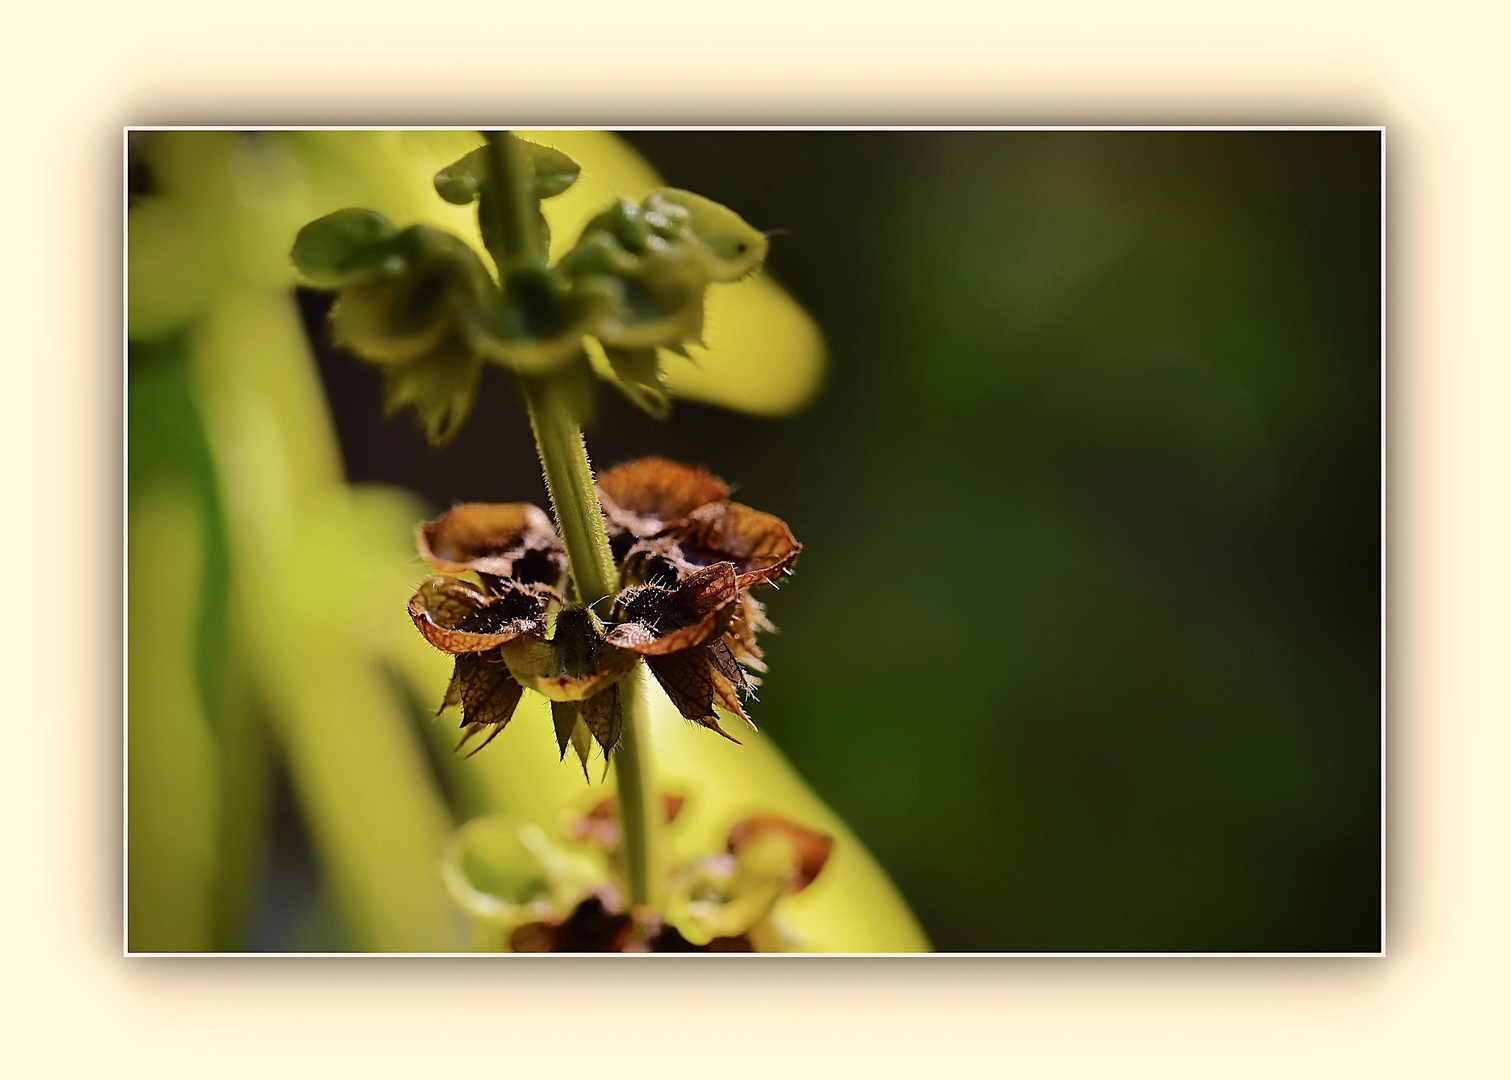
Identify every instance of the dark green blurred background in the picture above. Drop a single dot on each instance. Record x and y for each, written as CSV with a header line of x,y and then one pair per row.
x,y
1085,640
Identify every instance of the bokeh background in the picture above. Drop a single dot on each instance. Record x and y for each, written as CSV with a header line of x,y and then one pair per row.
x,y
1084,643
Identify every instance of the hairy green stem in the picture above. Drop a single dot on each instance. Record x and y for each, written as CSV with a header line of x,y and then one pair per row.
x,y
579,519
569,479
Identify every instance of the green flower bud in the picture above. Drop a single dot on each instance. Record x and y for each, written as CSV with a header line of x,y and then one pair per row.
x,y
624,223
654,263
660,304
402,300
653,286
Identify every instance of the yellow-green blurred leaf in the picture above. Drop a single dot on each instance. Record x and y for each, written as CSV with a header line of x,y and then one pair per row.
x,y
172,812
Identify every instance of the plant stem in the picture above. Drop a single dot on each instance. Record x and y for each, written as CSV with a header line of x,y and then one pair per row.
x,y
579,519
513,211
569,479
639,809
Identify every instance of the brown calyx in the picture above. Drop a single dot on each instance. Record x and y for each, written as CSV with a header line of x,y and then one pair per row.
x,y
501,540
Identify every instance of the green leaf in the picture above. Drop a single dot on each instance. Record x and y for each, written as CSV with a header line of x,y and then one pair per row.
x,y
460,182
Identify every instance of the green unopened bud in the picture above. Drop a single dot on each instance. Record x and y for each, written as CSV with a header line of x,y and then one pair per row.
x,y
599,251
624,222
652,287
402,300
661,304
654,263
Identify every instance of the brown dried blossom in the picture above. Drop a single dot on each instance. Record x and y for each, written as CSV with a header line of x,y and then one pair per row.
x,y
475,624
499,540
688,559
647,497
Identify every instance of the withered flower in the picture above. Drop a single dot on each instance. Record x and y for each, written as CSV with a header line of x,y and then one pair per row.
x,y
472,624
688,559
499,637
579,672
680,632
646,498
497,541
666,521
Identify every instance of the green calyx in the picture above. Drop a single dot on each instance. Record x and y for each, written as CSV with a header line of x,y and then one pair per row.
x,y
421,304
538,323
403,299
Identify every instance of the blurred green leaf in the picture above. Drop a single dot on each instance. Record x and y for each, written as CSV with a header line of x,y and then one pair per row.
x,y
200,756
172,810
